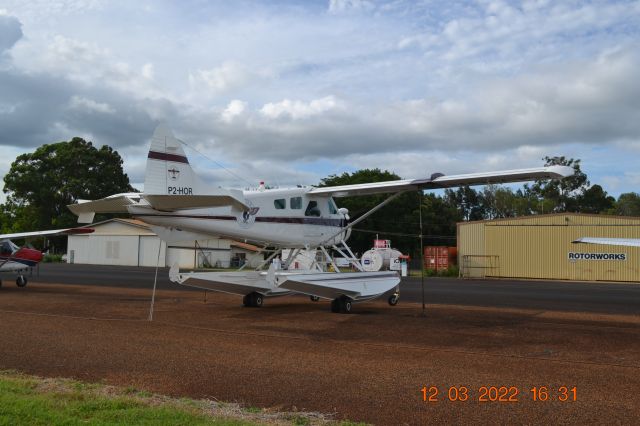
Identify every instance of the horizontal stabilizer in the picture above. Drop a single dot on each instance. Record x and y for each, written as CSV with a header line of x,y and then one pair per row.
x,y
222,198
85,209
628,242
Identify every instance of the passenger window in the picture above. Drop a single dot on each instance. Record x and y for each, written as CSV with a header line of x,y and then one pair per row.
x,y
280,203
332,207
295,202
312,209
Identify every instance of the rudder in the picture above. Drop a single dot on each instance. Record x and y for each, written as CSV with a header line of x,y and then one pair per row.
x,y
168,170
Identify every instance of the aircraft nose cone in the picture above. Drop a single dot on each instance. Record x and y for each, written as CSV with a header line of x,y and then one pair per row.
x,y
29,254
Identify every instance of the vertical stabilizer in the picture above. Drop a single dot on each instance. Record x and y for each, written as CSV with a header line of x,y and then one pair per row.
x,y
168,170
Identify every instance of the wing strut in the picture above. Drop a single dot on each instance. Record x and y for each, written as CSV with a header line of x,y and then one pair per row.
x,y
364,216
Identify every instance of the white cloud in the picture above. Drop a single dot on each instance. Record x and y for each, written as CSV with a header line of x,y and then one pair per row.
x,y
148,71
234,109
298,110
228,76
78,102
341,6
450,85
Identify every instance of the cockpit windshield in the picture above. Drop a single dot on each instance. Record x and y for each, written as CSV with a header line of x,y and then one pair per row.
x,y
333,209
7,247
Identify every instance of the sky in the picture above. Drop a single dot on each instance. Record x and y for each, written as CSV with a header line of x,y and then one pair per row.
x,y
290,92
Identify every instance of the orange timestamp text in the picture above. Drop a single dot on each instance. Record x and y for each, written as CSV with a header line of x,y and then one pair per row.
x,y
506,394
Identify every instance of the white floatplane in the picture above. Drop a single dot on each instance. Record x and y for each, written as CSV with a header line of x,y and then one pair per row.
x,y
180,207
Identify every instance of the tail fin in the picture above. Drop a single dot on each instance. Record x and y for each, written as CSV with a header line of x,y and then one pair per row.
x,y
168,170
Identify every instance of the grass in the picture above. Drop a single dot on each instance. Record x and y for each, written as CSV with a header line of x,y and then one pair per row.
x,y
30,400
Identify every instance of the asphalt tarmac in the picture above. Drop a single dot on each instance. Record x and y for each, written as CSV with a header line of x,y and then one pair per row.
x,y
611,298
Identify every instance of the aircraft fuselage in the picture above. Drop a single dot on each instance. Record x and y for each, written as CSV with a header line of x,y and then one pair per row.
x,y
283,217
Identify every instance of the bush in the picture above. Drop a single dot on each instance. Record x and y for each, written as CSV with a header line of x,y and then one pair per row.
x,y
52,258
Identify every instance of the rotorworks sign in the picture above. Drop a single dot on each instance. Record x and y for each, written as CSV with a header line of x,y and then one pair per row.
x,y
597,256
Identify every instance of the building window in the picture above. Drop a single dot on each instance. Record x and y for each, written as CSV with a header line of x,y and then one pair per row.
x,y
280,203
312,209
295,203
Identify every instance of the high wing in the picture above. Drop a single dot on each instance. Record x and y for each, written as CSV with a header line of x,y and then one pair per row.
x,y
629,242
438,180
51,232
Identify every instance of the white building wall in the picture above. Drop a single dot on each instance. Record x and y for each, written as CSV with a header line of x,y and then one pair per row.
x,y
78,249
104,249
117,243
148,254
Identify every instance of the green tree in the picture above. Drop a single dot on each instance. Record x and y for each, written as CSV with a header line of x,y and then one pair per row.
x,y
439,219
468,201
595,200
397,217
40,185
628,204
560,195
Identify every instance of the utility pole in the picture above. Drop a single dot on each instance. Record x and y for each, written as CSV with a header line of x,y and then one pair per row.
x,y
421,250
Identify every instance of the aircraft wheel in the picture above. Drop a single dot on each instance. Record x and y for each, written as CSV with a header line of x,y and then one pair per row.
x,y
342,304
314,298
21,281
393,299
258,299
253,300
345,305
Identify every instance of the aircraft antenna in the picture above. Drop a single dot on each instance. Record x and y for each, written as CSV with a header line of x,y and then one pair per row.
x,y
215,162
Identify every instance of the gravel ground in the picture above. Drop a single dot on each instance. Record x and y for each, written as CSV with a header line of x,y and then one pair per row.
x,y
293,354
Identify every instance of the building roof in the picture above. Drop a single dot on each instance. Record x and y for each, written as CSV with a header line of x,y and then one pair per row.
x,y
553,215
133,222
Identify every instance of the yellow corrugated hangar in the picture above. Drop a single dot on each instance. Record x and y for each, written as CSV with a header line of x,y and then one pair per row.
x,y
541,247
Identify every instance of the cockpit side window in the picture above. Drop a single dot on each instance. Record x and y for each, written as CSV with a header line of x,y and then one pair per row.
x,y
312,209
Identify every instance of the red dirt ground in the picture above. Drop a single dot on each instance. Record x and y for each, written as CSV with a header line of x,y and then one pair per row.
x,y
294,354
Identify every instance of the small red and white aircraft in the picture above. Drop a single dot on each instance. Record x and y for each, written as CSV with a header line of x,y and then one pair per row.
x,y
17,259
180,207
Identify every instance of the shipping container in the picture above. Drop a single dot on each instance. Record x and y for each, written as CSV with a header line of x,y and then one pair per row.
x,y
439,257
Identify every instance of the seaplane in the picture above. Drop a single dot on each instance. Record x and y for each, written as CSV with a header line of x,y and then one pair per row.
x,y
179,206
18,259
